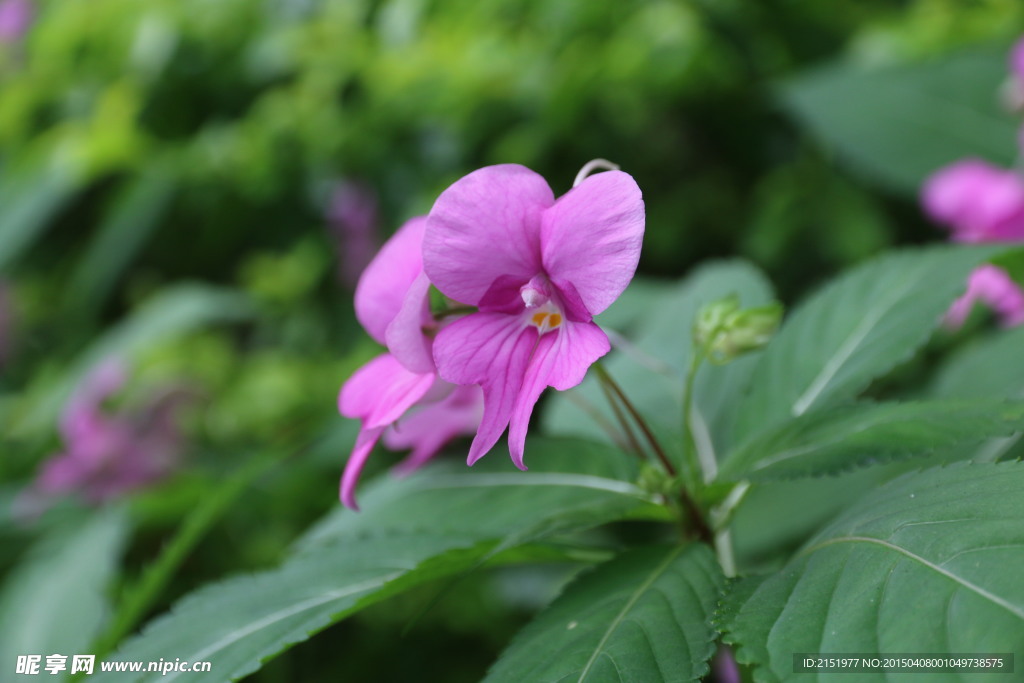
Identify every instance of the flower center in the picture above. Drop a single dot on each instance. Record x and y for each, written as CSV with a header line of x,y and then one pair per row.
x,y
545,321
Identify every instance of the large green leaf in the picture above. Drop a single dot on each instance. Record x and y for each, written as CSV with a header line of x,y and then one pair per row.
x,y
900,124
927,563
651,364
990,367
441,521
854,330
643,616
55,600
837,439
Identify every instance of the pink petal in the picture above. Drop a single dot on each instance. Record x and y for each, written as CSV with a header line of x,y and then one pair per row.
x,y
560,360
380,391
1017,60
404,336
383,287
484,226
82,418
591,237
997,290
492,350
429,429
354,467
980,202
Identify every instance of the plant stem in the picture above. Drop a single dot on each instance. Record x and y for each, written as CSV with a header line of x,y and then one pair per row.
x,y
700,527
633,442
691,462
612,385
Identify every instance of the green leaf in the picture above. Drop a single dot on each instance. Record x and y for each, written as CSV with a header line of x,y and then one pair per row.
x,y
842,438
854,330
568,479
438,522
901,124
55,600
30,197
990,367
927,563
651,365
123,231
643,616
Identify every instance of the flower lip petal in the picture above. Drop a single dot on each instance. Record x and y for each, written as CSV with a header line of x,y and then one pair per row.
x,y
385,283
484,226
592,236
492,350
380,391
561,361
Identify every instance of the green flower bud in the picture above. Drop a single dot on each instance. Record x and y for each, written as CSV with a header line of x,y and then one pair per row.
x,y
724,331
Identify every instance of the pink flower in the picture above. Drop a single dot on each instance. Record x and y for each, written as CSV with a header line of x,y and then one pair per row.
x,y
981,203
15,19
107,455
392,303
538,270
1017,61
992,286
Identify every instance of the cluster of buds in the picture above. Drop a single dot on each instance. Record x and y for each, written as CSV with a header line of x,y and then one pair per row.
x,y
724,331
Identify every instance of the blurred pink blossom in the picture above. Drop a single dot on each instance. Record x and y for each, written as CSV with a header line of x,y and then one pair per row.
x,y
353,219
15,19
977,201
108,454
993,287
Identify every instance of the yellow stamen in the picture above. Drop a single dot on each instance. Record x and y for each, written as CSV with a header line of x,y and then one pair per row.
x,y
555,320
538,319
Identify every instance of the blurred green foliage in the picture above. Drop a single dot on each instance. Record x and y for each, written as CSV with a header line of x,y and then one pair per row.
x,y
166,168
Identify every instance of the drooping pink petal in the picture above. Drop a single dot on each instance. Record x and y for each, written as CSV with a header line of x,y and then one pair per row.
x,y
82,417
380,391
405,335
992,286
354,467
492,350
591,237
427,430
560,360
383,287
484,226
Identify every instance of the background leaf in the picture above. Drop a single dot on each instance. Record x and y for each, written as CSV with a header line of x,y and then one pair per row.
x,y
830,441
854,330
927,563
55,601
651,366
900,124
643,616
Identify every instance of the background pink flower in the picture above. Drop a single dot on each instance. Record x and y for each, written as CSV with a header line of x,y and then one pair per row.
x,y
977,201
108,454
997,290
538,270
